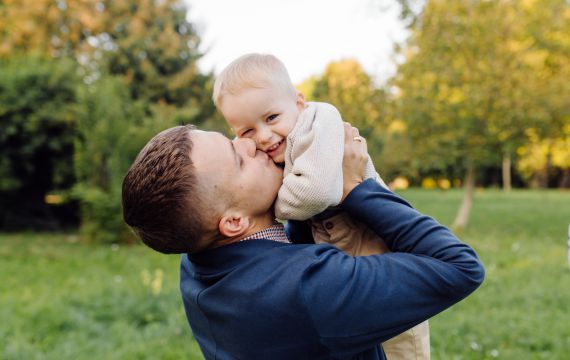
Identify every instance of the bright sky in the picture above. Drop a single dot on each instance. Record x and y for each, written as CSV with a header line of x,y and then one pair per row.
x,y
305,34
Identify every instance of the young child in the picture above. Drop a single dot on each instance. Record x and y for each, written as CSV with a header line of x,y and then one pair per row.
x,y
256,97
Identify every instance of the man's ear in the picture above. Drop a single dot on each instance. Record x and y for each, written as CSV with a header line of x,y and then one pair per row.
x,y
233,225
300,100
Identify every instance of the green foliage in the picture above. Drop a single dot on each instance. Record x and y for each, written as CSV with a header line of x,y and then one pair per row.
x,y
136,75
149,43
444,91
112,129
477,75
37,119
123,302
352,91
107,129
396,155
154,47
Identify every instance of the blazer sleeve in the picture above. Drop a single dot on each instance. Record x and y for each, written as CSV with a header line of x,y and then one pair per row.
x,y
315,180
357,302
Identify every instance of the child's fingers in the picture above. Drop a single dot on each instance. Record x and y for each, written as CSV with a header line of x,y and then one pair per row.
x,y
354,159
354,144
362,141
355,131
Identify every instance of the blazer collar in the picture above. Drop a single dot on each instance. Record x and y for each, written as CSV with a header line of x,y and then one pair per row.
x,y
225,258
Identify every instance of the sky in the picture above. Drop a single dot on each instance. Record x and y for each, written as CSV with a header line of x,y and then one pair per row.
x,y
305,34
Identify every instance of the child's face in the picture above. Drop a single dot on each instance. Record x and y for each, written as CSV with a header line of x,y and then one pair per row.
x,y
265,115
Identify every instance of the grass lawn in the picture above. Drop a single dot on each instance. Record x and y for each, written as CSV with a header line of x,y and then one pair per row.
x,y
521,310
61,299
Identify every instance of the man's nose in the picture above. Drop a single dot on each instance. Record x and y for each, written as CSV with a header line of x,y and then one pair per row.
x,y
246,146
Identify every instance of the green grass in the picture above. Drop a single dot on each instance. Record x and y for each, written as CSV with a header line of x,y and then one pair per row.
x,y
60,299
521,310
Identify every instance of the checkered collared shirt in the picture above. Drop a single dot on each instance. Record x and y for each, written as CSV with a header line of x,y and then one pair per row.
x,y
275,232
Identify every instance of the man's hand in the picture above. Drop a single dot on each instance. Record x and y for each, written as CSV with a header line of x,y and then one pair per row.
x,y
354,160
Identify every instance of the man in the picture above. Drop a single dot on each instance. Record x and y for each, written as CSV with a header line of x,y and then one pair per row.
x,y
250,294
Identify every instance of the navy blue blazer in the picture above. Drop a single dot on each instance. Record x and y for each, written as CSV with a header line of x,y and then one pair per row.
x,y
261,299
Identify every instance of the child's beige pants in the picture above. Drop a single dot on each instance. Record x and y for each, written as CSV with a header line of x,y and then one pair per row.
x,y
356,239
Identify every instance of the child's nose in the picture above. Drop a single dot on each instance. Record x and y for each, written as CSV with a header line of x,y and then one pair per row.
x,y
264,135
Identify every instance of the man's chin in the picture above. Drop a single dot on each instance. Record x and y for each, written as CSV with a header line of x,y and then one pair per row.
x,y
279,160
279,170
273,203
272,210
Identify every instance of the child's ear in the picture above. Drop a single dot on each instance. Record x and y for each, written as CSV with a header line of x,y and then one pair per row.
x,y
300,100
233,225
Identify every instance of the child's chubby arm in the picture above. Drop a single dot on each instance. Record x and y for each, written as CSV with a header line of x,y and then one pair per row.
x,y
314,181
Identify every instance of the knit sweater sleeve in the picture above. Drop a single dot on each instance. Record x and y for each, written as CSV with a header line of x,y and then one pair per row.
x,y
313,164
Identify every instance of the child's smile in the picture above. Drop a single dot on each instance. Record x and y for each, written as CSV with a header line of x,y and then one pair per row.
x,y
277,151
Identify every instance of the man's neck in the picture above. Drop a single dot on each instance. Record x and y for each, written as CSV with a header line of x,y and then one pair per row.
x,y
257,224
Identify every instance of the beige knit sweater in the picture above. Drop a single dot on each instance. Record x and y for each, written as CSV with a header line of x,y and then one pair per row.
x,y
312,178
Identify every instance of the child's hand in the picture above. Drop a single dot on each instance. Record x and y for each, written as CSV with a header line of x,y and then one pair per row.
x,y
354,160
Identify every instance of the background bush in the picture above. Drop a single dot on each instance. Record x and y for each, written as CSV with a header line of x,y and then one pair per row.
x,y
38,118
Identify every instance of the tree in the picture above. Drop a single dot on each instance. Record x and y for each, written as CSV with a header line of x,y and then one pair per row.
x,y
150,43
37,120
351,90
464,87
548,25
155,48
111,129
145,81
540,157
137,73
45,27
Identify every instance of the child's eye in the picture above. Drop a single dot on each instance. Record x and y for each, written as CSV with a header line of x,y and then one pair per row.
x,y
245,133
271,117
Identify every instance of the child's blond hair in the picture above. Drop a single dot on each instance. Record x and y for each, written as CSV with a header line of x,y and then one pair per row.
x,y
256,71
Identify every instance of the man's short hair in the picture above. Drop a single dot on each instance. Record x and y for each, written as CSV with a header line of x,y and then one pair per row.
x,y
251,71
160,196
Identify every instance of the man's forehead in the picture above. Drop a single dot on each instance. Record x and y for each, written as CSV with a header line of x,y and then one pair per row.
x,y
209,146
208,137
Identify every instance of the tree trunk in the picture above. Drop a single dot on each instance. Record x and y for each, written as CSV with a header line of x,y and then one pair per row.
x,y
507,182
462,217
564,182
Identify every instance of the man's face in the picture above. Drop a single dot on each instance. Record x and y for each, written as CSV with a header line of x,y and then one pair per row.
x,y
265,115
235,167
